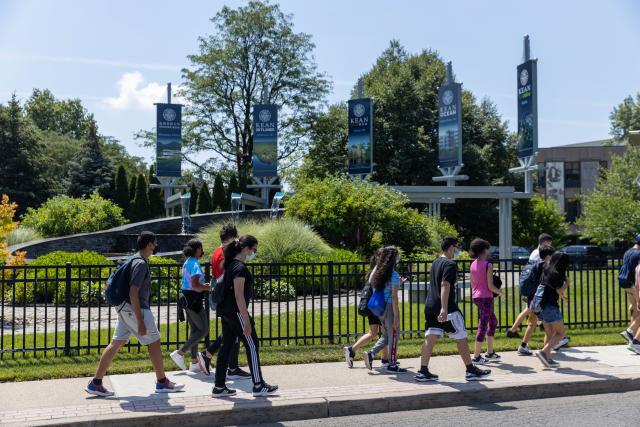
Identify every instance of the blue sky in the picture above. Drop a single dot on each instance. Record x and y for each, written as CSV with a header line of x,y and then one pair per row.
x,y
117,55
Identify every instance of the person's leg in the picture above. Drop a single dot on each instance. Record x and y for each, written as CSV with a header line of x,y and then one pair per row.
x,y
554,333
493,324
383,341
374,329
392,339
483,325
635,314
523,315
107,357
233,355
230,330
214,346
197,331
430,341
252,349
531,327
155,354
463,351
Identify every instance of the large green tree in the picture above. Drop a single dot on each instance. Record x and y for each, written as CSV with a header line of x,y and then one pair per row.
x,y
65,117
539,215
140,208
193,202
156,200
93,171
121,194
625,117
219,194
205,204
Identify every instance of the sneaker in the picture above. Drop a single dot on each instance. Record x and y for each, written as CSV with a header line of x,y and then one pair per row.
x,y
178,359
368,360
384,363
479,360
348,356
222,391
476,374
543,358
492,357
194,367
634,347
168,387
204,363
393,368
424,376
511,334
627,335
264,389
238,374
98,390
524,350
553,364
563,342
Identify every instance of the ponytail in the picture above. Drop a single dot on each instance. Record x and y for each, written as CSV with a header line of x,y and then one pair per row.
x,y
235,246
191,247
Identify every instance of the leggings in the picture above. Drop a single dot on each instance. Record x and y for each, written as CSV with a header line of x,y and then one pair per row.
x,y
389,337
199,328
232,330
487,321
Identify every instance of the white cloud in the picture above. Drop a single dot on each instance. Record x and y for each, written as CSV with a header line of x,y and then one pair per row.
x,y
135,94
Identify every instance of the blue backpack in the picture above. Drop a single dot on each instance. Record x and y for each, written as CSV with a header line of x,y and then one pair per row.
x,y
530,278
119,283
377,303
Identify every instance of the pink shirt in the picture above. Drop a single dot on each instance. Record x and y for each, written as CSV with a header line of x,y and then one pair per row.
x,y
479,284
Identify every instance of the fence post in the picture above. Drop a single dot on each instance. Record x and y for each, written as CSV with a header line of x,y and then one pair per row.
x,y
330,302
207,279
67,310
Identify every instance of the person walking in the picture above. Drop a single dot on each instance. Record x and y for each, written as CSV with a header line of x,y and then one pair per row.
x,y
236,321
627,281
443,315
634,344
555,282
386,279
135,318
374,324
483,292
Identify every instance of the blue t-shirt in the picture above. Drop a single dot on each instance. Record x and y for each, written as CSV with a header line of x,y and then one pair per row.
x,y
393,281
191,268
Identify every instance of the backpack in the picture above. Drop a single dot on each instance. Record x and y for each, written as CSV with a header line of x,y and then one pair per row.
x,y
365,296
116,291
216,294
536,301
377,303
530,278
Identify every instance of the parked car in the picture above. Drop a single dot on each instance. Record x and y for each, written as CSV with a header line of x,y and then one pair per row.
x,y
585,255
519,255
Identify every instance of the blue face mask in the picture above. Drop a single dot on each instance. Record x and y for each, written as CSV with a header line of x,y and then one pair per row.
x,y
457,253
251,256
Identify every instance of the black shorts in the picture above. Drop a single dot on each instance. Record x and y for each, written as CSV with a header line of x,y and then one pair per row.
x,y
454,327
529,300
374,320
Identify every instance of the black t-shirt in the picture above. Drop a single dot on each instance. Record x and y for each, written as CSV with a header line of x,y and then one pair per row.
x,y
551,283
630,260
236,269
442,269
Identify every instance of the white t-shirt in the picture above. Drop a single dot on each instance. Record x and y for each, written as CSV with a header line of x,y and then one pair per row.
x,y
535,256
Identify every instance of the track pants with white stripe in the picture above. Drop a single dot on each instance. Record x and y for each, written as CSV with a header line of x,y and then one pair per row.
x,y
231,330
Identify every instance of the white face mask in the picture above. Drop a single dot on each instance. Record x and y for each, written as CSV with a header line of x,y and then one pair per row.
x,y
251,256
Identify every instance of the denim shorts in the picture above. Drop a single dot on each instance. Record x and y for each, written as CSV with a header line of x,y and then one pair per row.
x,y
551,314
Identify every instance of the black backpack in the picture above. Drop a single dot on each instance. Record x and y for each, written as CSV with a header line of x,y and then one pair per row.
x,y
530,278
119,283
217,292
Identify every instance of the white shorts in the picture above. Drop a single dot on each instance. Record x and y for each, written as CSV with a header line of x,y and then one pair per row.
x,y
454,326
128,325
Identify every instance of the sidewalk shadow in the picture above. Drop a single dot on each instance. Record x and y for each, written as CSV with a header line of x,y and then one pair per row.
x,y
572,371
514,369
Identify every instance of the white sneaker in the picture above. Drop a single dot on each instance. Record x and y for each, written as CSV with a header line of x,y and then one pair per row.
x,y
564,341
347,357
524,350
634,347
178,359
194,367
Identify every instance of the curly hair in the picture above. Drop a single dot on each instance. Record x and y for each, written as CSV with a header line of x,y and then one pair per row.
x,y
384,267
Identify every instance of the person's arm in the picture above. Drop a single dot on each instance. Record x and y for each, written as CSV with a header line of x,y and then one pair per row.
x,y
444,300
195,284
492,287
137,311
238,289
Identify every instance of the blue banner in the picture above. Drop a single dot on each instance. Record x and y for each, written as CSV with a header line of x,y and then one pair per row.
x,y
527,108
360,139
450,125
265,140
168,140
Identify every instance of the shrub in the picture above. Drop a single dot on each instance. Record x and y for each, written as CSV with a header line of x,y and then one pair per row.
x,y
274,290
166,275
277,239
22,235
63,215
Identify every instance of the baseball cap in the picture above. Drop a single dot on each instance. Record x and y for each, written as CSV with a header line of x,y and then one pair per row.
x,y
638,238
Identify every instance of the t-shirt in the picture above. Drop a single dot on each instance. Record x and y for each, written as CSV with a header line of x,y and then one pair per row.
x,y
236,269
535,256
216,260
551,283
638,274
479,282
141,279
191,268
442,269
394,280
631,259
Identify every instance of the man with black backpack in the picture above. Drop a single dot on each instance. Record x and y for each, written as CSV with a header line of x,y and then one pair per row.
x,y
134,316
627,281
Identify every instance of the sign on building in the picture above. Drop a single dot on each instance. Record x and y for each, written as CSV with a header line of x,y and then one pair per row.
x,y
555,182
265,140
360,138
450,125
168,140
527,108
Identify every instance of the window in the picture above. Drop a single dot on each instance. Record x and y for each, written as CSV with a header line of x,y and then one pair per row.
x,y
542,179
573,210
572,174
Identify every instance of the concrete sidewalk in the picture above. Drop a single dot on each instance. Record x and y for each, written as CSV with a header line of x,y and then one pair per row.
x,y
317,390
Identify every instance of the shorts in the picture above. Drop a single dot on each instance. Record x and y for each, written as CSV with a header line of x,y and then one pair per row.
x,y
551,314
454,326
127,325
631,293
374,320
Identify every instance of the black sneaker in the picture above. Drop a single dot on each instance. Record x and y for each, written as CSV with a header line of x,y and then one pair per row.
x,y
479,360
476,374
238,374
368,360
204,362
511,334
425,376
492,357
264,389
223,391
348,356
393,368
627,336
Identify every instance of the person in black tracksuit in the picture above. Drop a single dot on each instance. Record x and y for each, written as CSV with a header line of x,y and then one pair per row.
x,y
236,321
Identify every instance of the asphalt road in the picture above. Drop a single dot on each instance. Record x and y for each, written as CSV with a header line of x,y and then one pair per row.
x,y
616,409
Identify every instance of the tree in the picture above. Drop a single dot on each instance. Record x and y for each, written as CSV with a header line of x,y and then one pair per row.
x,y
540,215
140,209
193,202
93,172
22,178
132,190
610,213
205,205
625,117
233,188
155,195
219,194
121,195
65,117
253,49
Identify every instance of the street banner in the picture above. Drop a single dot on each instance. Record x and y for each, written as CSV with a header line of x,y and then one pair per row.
x,y
360,138
265,140
168,140
555,182
450,125
527,108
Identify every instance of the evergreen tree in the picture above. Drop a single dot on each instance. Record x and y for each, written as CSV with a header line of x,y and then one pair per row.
x,y
233,188
140,209
93,172
205,205
193,203
155,195
132,189
121,196
219,194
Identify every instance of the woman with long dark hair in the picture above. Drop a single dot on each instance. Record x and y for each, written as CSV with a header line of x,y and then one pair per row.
x,y
555,281
236,321
386,279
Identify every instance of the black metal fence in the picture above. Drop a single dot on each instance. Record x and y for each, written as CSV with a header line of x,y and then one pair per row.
x,y
60,309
